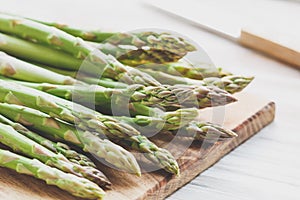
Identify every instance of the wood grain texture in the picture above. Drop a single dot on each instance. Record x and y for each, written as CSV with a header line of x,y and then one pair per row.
x,y
246,117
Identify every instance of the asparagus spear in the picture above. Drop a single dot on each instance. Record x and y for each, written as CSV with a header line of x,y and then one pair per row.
x,y
159,156
230,83
163,95
86,78
187,69
58,147
162,121
20,143
169,97
149,119
116,98
72,73
149,46
105,125
112,129
101,148
133,56
94,60
43,54
200,130
154,120
136,39
108,98
35,52
76,186
18,69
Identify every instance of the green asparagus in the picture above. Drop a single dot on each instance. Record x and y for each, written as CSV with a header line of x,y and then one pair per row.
x,y
133,56
28,50
163,95
200,130
136,39
230,83
165,121
169,97
149,119
159,156
144,46
20,143
58,147
76,186
18,69
43,54
101,148
72,73
105,125
94,60
187,69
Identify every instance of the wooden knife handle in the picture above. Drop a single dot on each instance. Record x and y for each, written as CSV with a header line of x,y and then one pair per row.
x,y
271,48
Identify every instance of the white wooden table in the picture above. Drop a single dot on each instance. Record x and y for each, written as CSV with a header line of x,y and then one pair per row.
x,y
268,165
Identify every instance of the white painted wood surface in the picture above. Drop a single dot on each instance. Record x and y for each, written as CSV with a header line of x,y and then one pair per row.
x,y
268,165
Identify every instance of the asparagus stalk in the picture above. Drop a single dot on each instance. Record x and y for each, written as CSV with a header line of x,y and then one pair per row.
x,y
159,156
166,121
20,143
43,123
58,147
152,120
135,39
133,56
72,73
43,54
18,69
27,50
35,52
166,96
107,98
169,97
101,124
42,34
149,46
86,78
186,69
101,148
200,130
149,119
76,186
230,83
94,60
104,82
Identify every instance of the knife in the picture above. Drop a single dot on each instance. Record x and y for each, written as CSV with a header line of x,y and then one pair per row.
x,y
246,38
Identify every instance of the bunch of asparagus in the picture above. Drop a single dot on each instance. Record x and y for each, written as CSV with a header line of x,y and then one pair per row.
x,y
50,83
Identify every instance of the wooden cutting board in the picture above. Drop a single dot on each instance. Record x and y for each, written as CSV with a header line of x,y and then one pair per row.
x,y
246,117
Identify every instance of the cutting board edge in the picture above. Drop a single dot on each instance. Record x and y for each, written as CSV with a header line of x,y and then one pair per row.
x,y
251,126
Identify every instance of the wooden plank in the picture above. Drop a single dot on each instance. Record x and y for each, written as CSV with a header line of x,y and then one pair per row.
x,y
249,115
